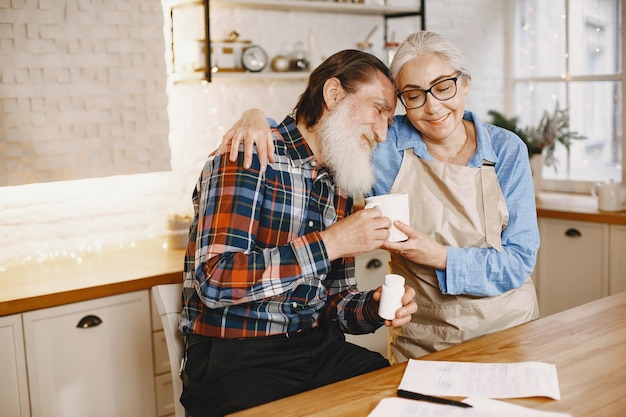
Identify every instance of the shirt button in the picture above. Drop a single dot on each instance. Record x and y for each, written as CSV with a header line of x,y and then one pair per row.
x,y
311,223
294,304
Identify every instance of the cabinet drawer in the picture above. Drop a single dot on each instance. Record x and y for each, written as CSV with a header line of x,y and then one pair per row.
x,y
164,395
154,316
371,269
96,370
572,264
161,357
617,265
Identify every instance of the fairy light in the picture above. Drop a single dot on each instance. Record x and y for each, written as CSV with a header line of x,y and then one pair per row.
x,y
76,254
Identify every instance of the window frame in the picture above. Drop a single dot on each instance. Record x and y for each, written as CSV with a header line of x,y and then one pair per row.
x,y
569,185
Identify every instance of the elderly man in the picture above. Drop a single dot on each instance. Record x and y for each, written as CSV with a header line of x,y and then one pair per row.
x,y
269,284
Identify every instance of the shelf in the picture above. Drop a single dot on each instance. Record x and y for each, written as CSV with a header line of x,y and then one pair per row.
x,y
200,77
323,6
264,75
319,6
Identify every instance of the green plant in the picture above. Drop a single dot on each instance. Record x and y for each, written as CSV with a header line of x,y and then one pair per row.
x,y
552,128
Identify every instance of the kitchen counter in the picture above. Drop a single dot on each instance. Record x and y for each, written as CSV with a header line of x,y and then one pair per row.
x,y
580,207
35,285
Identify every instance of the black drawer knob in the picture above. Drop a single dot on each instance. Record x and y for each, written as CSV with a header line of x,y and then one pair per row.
x,y
573,233
89,321
374,264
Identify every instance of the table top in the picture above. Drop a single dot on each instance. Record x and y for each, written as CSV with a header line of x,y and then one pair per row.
x,y
587,344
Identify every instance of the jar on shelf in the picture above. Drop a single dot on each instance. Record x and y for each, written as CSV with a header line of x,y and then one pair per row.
x,y
178,231
298,58
226,53
365,47
391,48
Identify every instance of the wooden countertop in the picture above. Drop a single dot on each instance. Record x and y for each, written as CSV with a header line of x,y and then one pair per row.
x,y
585,343
35,285
580,207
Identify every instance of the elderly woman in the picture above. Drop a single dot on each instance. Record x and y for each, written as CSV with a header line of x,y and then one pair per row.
x,y
473,237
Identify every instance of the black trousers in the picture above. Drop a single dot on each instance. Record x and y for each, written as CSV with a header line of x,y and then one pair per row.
x,y
222,376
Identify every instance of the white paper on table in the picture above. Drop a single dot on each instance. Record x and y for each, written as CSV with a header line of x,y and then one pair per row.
x,y
501,406
402,407
487,380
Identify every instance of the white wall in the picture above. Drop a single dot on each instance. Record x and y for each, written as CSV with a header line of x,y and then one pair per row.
x,y
83,92
480,29
53,219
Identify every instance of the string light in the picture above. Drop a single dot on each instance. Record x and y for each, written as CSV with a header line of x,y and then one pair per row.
x,y
77,254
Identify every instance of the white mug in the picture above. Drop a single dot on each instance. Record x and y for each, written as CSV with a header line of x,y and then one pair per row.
x,y
395,207
611,195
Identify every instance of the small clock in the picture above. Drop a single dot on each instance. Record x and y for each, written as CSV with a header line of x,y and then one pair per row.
x,y
254,58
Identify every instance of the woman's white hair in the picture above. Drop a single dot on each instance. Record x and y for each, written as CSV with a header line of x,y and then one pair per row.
x,y
425,42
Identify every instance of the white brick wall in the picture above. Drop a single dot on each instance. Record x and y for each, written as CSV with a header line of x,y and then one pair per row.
x,y
48,218
83,91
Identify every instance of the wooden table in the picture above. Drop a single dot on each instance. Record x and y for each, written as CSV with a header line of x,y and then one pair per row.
x,y
587,344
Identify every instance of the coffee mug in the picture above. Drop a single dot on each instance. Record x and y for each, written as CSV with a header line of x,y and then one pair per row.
x,y
611,195
395,207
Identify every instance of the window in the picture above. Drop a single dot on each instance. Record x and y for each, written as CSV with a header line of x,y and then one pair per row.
x,y
569,52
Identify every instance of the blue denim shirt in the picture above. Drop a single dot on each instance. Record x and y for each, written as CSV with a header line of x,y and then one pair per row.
x,y
478,271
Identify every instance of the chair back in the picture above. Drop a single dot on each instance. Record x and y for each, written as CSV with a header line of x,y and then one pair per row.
x,y
167,298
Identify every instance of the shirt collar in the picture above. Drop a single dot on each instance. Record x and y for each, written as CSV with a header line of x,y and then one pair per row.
x,y
408,139
299,151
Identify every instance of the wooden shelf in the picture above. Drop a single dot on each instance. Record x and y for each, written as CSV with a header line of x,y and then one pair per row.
x,y
416,8
200,77
319,6
261,76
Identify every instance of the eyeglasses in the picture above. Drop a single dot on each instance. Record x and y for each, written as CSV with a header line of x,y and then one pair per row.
x,y
442,90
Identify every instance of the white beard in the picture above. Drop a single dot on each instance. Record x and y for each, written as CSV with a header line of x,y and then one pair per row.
x,y
344,153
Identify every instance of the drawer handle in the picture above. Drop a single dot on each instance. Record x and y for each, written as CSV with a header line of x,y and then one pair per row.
x,y
89,321
374,264
573,233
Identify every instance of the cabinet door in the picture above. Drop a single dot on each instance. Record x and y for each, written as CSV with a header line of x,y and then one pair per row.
x,y
96,370
13,386
370,274
617,282
572,263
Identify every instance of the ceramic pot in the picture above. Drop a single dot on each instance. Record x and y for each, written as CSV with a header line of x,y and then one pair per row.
x,y
611,195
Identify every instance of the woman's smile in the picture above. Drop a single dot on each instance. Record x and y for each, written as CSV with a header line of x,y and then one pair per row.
x,y
439,121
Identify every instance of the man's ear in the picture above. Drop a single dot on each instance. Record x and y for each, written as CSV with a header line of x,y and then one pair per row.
x,y
333,92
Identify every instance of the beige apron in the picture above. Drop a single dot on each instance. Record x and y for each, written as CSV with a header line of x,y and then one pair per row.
x,y
463,207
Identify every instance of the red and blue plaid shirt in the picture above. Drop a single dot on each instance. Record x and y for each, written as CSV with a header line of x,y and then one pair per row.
x,y
256,264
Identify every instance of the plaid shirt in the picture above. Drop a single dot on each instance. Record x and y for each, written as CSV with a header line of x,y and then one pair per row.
x,y
256,264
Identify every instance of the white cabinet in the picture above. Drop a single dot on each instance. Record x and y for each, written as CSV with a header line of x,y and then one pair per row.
x,y
13,383
617,266
162,376
92,358
573,263
370,274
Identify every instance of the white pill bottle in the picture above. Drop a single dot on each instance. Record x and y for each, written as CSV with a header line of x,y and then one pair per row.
x,y
391,297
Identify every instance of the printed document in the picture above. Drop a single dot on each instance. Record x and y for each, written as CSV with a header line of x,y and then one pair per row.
x,y
485,380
